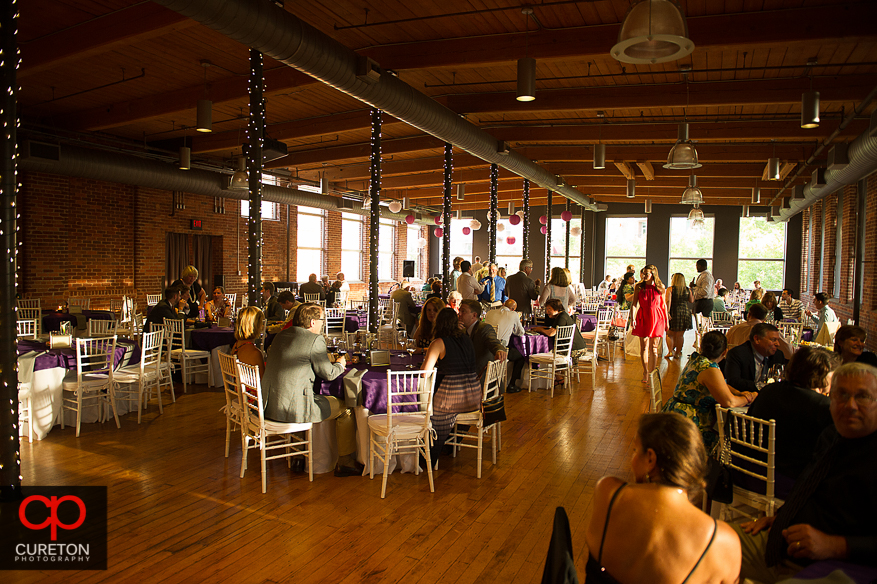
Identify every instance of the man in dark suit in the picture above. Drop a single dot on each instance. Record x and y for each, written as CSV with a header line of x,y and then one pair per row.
x,y
298,356
165,308
312,287
273,311
487,346
407,308
747,363
520,288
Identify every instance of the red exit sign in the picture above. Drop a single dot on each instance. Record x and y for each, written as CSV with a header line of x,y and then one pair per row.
x,y
197,225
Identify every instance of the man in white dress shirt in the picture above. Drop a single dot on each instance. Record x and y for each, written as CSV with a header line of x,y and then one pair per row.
x,y
704,290
506,321
467,285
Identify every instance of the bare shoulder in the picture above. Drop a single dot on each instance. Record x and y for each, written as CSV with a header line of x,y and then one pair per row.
x,y
606,487
725,554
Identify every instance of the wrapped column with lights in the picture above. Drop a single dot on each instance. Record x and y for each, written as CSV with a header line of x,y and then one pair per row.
x,y
548,212
10,459
374,191
582,249
446,221
566,247
526,208
494,187
256,135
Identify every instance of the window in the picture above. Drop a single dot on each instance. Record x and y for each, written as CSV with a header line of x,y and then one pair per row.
x,y
270,211
387,250
311,232
558,246
351,246
689,243
509,255
461,244
762,253
625,244
414,250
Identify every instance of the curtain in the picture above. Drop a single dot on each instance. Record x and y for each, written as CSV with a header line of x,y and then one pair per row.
x,y
203,245
176,256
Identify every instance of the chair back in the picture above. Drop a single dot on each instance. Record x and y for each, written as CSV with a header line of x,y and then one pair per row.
x,y
315,298
32,314
656,398
29,303
563,341
96,356
101,328
232,300
791,331
334,321
741,437
494,379
590,307
79,301
167,339
722,317
604,317
153,299
409,394
230,380
176,328
151,349
27,328
250,398
128,309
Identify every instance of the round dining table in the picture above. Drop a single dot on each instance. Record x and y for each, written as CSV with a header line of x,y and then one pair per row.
x,y
52,319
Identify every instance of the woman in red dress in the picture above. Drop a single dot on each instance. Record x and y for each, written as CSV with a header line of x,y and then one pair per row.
x,y
651,317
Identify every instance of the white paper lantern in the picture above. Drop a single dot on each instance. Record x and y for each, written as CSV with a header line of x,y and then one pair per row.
x,y
520,213
500,227
575,231
421,243
395,207
475,224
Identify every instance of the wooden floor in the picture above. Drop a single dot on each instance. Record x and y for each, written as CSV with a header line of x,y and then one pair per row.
x,y
178,511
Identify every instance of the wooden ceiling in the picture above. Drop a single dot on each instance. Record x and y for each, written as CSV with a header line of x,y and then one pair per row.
x,y
128,74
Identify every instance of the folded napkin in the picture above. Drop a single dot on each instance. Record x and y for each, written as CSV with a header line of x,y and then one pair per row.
x,y
353,387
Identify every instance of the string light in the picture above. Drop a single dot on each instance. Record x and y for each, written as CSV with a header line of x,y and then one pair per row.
x,y
494,188
374,188
255,134
447,178
547,232
526,200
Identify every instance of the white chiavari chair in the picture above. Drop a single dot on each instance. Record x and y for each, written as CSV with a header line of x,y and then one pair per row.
x,y
140,379
191,360
556,362
92,381
494,380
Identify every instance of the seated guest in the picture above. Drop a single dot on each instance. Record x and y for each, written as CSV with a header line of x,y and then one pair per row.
x,y
506,321
555,316
272,308
426,323
407,310
652,530
739,333
831,512
333,294
748,363
296,358
792,307
436,288
774,312
824,313
165,308
701,387
312,287
427,285
799,404
718,285
494,286
487,346
218,306
187,308
324,282
288,303
603,287
756,285
613,286
719,300
754,298
455,299
247,329
189,279
849,344
467,285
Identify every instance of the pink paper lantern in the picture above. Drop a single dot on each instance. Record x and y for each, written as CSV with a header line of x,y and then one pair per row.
x,y
543,220
510,240
514,219
566,215
438,232
409,219
467,230
544,230
438,219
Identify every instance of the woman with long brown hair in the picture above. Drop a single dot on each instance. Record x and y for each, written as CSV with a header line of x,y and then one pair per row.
x,y
679,313
650,321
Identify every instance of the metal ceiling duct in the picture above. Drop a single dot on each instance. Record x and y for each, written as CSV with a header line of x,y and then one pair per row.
x,y
282,36
131,170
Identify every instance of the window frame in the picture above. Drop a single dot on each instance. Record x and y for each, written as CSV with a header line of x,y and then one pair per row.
x,y
607,257
782,260
312,212
384,224
709,259
360,220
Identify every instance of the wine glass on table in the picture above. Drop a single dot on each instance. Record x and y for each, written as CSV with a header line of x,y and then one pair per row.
x,y
411,347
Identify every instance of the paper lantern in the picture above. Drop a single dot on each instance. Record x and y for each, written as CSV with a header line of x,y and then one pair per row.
x,y
566,215
467,231
544,230
395,207
475,224
421,243
438,219
500,227
575,231
409,219
439,232
510,240
514,219
543,220
520,213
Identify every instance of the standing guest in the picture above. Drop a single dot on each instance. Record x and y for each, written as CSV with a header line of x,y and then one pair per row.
x,y
774,312
407,308
296,358
312,287
494,286
436,290
800,406
482,271
704,290
824,313
218,306
849,344
679,311
487,346
603,287
502,273
506,321
521,288
455,273
651,531
457,390
756,285
631,268
339,277
831,512
754,298
701,387
625,297
467,285
166,308
748,363
613,286
189,278
558,287
455,300
248,328
272,308
792,307
425,324
719,301
650,321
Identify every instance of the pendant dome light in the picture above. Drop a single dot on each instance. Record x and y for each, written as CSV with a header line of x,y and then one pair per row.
x,y
653,31
239,180
692,195
695,215
683,155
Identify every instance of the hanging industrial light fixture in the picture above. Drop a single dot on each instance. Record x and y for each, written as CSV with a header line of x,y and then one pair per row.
x,y
692,195
185,158
810,109
631,188
511,208
204,111
648,207
746,210
682,156
239,180
756,195
526,66
461,191
599,156
653,31
695,215
773,169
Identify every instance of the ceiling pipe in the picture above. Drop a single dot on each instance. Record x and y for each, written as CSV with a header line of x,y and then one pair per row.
x,y
131,170
275,32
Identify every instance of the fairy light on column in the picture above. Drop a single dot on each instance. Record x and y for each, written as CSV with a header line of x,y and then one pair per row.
x,y
494,187
374,191
256,135
10,453
548,212
582,249
566,219
446,221
526,239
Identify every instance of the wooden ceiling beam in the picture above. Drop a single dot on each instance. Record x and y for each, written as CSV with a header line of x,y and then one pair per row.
x,y
585,169
647,169
354,151
707,153
626,169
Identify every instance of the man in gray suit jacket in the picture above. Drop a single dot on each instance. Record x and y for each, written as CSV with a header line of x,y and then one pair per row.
x,y
487,346
296,357
521,288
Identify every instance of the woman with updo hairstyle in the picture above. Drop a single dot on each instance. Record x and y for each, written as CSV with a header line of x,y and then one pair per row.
x,y
247,329
774,312
701,386
849,344
650,531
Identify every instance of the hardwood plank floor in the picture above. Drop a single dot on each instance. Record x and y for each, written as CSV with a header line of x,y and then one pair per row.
x,y
178,511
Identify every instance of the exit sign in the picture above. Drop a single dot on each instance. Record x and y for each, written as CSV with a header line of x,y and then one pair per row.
x,y
196,224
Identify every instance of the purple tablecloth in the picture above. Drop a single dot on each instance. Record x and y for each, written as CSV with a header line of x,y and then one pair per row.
x,y
530,344
52,320
207,339
127,353
374,382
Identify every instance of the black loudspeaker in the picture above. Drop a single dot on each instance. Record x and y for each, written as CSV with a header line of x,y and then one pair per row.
x,y
408,268
218,280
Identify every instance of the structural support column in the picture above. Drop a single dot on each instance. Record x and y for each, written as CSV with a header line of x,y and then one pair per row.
x,y
548,213
526,238
446,221
256,134
491,232
374,191
582,250
566,247
10,459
